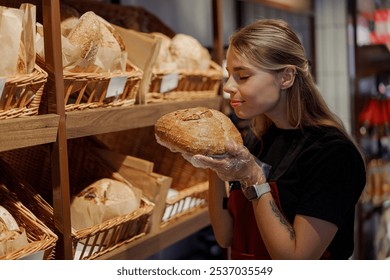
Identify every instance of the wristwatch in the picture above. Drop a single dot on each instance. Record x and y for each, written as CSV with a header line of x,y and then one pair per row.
x,y
256,191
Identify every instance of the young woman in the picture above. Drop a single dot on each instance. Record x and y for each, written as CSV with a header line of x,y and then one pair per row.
x,y
294,186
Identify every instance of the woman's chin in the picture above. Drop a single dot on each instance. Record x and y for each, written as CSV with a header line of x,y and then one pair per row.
x,y
242,114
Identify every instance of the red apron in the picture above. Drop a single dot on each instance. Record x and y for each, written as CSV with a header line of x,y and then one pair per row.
x,y
247,242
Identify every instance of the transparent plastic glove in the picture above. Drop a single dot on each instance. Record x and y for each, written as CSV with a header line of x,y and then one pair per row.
x,y
237,165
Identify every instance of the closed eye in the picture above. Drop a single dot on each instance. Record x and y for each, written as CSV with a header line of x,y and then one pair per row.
x,y
240,77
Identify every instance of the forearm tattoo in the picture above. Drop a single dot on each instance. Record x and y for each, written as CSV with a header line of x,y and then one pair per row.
x,y
282,219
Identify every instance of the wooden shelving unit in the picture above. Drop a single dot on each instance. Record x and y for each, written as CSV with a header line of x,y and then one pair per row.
x,y
57,127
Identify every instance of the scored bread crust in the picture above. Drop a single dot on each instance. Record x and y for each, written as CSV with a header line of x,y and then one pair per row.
x,y
196,131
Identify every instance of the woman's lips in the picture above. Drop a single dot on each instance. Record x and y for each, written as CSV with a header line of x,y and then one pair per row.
x,y
235,103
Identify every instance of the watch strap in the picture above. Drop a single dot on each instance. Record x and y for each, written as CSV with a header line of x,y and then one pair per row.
x,y
262,189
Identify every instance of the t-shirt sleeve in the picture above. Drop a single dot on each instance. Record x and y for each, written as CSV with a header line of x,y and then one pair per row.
x,y
334,179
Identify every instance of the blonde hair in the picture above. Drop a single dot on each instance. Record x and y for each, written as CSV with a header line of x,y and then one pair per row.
x,y
272,45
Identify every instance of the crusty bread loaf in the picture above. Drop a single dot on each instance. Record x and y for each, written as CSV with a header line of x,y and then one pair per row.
x,y
104,199
189,54
164,60
196,131
86,35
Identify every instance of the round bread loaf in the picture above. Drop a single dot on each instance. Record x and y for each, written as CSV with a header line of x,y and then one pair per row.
x,y
164,60
196,130
101,201
189,54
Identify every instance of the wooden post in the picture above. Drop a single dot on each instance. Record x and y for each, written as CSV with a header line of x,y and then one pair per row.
x,y
59,155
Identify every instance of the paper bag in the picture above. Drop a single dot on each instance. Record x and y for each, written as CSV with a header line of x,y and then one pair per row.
x,y
10,34
90,208
28,34
17,37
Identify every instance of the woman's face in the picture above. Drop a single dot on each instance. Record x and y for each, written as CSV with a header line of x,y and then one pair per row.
x,y
252,90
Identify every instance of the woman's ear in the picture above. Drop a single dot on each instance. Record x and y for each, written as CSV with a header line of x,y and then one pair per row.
x,y
287,77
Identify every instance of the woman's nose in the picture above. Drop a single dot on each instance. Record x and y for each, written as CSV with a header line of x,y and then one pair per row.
x,y
230,86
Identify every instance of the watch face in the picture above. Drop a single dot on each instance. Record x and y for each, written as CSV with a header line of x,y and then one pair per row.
x,y
250,193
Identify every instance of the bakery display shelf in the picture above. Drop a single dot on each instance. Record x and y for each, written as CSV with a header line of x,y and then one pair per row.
x,y
29,131
152,243
105,120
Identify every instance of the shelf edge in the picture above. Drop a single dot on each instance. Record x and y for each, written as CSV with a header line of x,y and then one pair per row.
x,y
28,131
150,244
106,120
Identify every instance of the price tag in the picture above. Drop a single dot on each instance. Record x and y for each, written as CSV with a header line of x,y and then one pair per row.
x,y
169,82
2,85
116,86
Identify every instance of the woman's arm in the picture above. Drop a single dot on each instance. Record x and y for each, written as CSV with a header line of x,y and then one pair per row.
x,y
220,218
306,238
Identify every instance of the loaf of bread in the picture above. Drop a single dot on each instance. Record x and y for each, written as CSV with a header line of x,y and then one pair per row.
x,y
67,25
103,200
110,37
12,237
189,54
164,60
196,130
86,35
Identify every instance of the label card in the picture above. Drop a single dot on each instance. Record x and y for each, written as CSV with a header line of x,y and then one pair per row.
x,y
116,86
169,82
2,85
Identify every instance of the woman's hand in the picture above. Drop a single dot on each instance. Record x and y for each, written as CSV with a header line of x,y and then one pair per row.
x,y
237,165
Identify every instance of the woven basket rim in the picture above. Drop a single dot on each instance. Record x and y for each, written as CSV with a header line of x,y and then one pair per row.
x,y
147,209
187,192
37,75
48,238
135,73
214,71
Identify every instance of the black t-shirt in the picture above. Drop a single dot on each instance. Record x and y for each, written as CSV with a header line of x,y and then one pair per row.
x,y
325,179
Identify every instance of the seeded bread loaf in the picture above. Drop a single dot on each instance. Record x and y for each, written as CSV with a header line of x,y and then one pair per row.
x,y
86,34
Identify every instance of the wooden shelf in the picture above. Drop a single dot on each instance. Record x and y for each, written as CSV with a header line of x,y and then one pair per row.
x,y
150,244
28,131
98,121
56,128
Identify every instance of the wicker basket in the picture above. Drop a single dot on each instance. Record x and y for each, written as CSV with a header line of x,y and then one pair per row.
x,y
22,94
84,169
190,86
189,184
41,239
89,90
185,202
